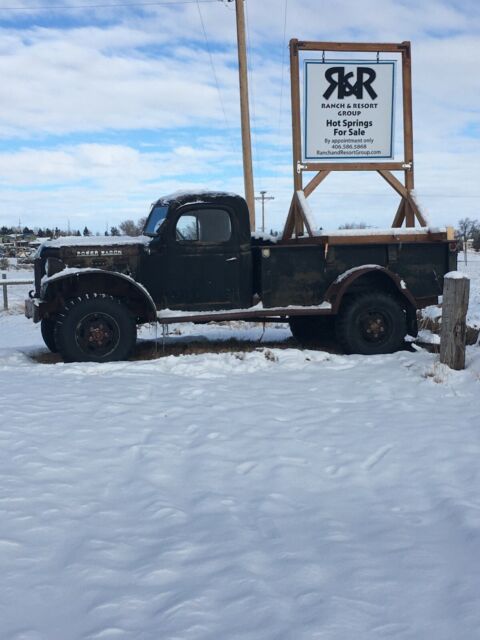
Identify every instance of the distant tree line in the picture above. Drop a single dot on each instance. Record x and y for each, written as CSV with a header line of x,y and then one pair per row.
x,y
126,228
39,232
5,231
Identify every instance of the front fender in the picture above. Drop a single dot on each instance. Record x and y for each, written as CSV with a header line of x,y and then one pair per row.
x,y
69,283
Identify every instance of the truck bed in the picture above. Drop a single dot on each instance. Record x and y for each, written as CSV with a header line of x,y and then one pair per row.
x,y
300,270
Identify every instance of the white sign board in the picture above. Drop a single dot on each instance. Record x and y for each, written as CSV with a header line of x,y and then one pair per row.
x,y
348,110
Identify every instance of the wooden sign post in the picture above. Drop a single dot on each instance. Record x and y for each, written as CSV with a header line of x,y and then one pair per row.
x,y
408,210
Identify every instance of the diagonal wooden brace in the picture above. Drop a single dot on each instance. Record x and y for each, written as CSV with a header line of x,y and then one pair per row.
x,y
408,205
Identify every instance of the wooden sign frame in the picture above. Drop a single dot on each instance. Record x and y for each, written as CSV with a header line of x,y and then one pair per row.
x,y
408,210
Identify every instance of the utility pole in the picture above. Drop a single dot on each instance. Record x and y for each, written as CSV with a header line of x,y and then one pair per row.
x,y
263,197
244,111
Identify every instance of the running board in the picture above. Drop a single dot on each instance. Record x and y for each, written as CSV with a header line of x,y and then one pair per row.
x,y
257,313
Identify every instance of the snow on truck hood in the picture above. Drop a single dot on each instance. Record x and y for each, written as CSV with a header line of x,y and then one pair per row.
x,y
81,241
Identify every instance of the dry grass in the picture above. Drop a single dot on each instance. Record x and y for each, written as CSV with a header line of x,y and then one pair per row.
x,y
435,325
438,372
152,350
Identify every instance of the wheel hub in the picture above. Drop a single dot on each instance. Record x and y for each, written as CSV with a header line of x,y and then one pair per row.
x,y
97,334
374,327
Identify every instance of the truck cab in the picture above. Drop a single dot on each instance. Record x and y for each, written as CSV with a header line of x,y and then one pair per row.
x,y
199,256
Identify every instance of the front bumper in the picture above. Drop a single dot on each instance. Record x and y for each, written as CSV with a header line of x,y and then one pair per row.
x,y
32,309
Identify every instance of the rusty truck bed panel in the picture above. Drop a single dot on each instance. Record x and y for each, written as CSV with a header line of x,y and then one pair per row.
x,y
300,274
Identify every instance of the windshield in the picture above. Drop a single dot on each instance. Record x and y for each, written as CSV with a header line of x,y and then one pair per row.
x,y
155,219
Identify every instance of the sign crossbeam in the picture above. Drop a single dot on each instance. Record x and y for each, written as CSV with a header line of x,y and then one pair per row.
x,y
365,86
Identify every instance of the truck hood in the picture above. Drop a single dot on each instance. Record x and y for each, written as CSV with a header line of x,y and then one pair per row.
x,y
71,244
118,253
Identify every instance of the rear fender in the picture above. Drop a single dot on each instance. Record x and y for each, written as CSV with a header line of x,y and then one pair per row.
x,y
57,289
380,278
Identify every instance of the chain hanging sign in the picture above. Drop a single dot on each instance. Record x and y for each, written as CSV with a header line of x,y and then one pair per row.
x,y
349,109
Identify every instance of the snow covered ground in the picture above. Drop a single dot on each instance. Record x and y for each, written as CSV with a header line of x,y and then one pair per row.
x,y
252,495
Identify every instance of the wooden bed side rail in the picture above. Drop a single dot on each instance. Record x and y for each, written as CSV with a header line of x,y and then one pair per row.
x,y
393,236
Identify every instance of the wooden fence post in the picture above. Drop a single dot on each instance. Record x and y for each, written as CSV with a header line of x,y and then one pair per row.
x,y
456,290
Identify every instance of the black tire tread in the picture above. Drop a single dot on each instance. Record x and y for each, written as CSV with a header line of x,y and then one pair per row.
x,y
68,349
47,329
345,329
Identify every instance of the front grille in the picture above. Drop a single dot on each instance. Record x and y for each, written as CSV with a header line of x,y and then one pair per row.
x,y
39,272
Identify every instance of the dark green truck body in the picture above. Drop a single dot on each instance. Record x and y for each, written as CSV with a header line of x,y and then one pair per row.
x,y
198,257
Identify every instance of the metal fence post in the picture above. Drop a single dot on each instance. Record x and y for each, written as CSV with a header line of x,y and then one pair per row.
x,y
5,294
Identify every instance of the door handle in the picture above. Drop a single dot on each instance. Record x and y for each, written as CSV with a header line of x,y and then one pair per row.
x,y
230,259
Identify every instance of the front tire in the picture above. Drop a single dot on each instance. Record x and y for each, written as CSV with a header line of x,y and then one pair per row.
x,y
372,323
47,328
95,328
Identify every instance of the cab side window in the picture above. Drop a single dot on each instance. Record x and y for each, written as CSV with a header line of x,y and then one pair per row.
x,y
187,228
204,225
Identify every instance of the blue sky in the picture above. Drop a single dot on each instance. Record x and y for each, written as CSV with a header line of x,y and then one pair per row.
x,y
103,110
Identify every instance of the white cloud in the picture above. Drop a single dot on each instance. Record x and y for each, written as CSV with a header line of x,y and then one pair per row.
x,y
111,181
62,81
97,163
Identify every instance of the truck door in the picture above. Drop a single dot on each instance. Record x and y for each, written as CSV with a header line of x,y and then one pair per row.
x,y
204,261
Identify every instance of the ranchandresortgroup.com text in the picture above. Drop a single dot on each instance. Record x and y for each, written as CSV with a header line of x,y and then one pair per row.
x,y
349,150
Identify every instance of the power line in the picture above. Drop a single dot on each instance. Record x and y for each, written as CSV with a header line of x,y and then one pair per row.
x,y
283,65
106,6
211,63
280,109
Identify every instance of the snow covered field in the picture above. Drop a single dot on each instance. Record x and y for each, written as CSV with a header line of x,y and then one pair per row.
x,y
262,495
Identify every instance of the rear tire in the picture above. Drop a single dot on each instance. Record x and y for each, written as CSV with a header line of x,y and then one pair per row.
x,y
371,323
95,328
310,330
47,327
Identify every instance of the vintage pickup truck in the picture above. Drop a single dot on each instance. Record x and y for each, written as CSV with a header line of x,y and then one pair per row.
x,y
198,262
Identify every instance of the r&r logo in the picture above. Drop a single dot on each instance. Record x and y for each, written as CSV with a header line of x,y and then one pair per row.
x,y
340,80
